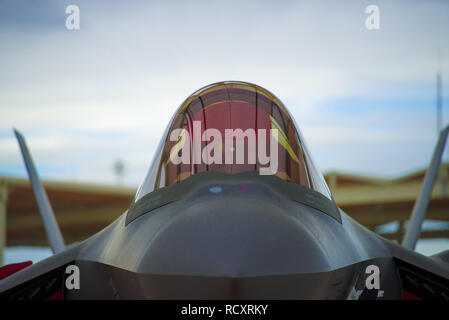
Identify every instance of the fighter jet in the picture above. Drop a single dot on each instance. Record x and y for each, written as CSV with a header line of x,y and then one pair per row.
x,y
232,207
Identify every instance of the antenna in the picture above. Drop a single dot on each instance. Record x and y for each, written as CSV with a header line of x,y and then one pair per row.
x,y
439,93
439,104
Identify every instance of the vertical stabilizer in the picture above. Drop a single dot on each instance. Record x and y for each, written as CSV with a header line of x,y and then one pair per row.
x,y
48,216
419,209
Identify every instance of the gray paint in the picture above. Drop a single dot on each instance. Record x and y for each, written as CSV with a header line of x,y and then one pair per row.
x,y
419,209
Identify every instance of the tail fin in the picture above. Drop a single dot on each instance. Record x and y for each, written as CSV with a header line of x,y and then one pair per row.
x,y
419,209
51,226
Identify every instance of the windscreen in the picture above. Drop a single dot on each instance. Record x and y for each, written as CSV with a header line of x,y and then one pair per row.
x,y
232,127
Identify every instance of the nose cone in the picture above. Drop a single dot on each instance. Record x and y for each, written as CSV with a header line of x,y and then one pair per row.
x,y
232,242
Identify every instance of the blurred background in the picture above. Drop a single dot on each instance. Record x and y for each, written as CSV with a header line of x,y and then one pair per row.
x,y
93,103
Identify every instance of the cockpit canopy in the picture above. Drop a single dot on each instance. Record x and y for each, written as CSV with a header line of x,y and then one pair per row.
x,y
232,127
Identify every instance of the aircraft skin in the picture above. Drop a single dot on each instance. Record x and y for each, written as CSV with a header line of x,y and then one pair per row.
x,y
216,235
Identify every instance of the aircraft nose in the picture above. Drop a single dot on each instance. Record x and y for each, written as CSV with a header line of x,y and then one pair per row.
x,y
232,239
